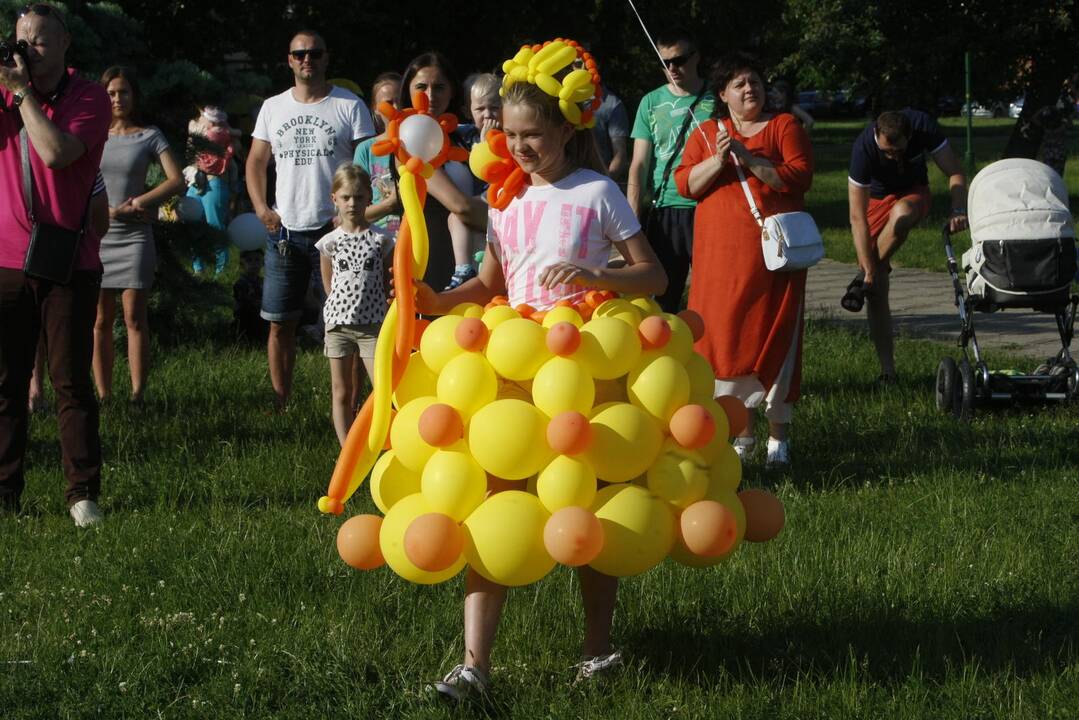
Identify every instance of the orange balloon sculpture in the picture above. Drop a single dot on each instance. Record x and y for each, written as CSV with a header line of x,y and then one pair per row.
x,y
765,516
573,536
709,529
357,542
433,542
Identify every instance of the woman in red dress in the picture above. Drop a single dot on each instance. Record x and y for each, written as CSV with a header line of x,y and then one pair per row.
x,y
753,316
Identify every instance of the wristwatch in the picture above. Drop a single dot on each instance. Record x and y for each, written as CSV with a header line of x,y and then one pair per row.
x,y
18,96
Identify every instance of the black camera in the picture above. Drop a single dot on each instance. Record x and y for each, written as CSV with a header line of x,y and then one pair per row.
x,y
9,49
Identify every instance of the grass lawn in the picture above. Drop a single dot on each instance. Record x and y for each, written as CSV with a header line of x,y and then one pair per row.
x,y
827,200
927,569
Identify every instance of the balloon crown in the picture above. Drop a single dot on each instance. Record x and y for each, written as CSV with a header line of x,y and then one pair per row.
x,y
578,92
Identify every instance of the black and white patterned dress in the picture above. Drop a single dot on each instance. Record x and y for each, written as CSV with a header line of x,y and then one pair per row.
x,y
358,289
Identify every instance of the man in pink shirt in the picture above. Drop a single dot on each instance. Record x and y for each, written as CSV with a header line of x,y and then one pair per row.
x,y
66,119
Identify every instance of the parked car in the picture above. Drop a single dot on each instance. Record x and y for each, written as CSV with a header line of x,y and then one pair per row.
x,y
992,110
1016,107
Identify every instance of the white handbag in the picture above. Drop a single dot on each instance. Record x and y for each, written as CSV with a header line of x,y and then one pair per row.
x,y
790,241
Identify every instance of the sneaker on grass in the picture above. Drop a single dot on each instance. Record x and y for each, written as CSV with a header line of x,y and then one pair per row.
x,y
597,669
86,513
462,684
779,454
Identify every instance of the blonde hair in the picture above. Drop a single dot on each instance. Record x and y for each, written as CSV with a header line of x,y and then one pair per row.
x,y
581,148
350,175
485,85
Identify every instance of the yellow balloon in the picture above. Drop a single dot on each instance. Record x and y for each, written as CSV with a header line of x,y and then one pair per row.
x,y
646,305
609,347
659,388
391,481
562,314
619,308
725,469
508,438
467,309
504,539
562,384
438,345
498,315
679,479
702,379
625,442
730,500
391,540
405,438
638,530
453,483
467,383
517,349
417,381
721,440
566,481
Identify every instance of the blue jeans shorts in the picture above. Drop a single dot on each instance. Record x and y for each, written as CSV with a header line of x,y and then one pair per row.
x,y
291,258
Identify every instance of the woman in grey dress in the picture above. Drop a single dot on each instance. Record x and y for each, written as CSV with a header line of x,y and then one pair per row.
x,y
127,251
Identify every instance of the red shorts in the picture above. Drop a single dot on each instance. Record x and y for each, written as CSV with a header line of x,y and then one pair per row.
x,y
881,208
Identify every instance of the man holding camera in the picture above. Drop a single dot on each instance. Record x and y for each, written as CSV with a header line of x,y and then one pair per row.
x,y
55,124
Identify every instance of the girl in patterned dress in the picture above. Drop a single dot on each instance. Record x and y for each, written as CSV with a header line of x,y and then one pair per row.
x,y
354,261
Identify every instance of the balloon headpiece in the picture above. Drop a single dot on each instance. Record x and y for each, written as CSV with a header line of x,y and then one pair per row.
x,y
578,92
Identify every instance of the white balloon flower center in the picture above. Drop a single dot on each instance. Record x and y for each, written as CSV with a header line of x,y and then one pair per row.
x,y
422,136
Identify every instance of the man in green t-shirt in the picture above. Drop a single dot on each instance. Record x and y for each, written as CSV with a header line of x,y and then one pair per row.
x,y
665,119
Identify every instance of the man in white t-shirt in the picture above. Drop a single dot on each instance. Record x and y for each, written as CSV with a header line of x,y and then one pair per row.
x,y
308,130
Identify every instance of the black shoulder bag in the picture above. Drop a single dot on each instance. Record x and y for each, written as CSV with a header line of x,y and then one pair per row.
x,y
677,149
52,251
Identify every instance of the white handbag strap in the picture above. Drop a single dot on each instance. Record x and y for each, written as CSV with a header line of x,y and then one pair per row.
x,y
749,195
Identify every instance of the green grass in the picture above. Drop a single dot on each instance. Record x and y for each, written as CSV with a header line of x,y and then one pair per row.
x,y
827,199
927,571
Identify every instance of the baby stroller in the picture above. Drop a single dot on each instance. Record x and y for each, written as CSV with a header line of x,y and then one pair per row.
x,y
1022,258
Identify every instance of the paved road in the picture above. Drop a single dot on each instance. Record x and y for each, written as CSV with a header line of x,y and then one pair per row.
x,y
923,304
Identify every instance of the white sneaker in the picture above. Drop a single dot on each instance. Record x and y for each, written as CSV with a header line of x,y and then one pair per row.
x,y
462,683
86,513
779,454
744,446
597,669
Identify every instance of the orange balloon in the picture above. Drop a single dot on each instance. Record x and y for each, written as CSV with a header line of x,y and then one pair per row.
x,y
569,433
695,322
564,303
765,516
709,529
737,415
500,300
421,325
357,542
471,334
441,425
524,310
538,316
563,339
654,332
573,536
593,298
692,426
433,542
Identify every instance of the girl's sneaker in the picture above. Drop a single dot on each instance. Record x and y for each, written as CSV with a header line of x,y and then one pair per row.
x,y
743,447
461,275
779,454
462,683
597,669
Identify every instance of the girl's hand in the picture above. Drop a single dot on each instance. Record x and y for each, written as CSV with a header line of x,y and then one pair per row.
x,y
566,273
426,297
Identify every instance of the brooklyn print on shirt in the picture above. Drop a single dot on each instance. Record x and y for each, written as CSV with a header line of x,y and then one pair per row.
x,y
303,138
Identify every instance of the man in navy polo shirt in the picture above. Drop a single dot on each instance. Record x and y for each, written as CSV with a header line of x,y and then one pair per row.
x,y
888,192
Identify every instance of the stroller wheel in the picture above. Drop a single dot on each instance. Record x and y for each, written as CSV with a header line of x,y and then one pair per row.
x,y
964,392
946,382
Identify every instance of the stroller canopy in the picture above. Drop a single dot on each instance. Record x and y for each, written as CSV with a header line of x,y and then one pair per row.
x,y
1018,199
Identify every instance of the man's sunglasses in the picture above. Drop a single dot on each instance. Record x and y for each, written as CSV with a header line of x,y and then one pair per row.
x,y
314,54
43,10
678,60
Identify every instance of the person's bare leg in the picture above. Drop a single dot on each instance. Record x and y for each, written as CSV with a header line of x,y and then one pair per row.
x,y
598,594
461,239
901,219
138,340
281,354
341,395
778,430
104,352
483,609
359,371
36,401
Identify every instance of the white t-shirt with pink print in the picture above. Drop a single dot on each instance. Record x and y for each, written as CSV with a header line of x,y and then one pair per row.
x,y
575,219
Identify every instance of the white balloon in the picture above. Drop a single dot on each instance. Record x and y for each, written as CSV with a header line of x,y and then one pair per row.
x,y
422,136
247,232
189,210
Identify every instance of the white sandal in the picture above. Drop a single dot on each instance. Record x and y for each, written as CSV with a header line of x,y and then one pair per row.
x,y
744,445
